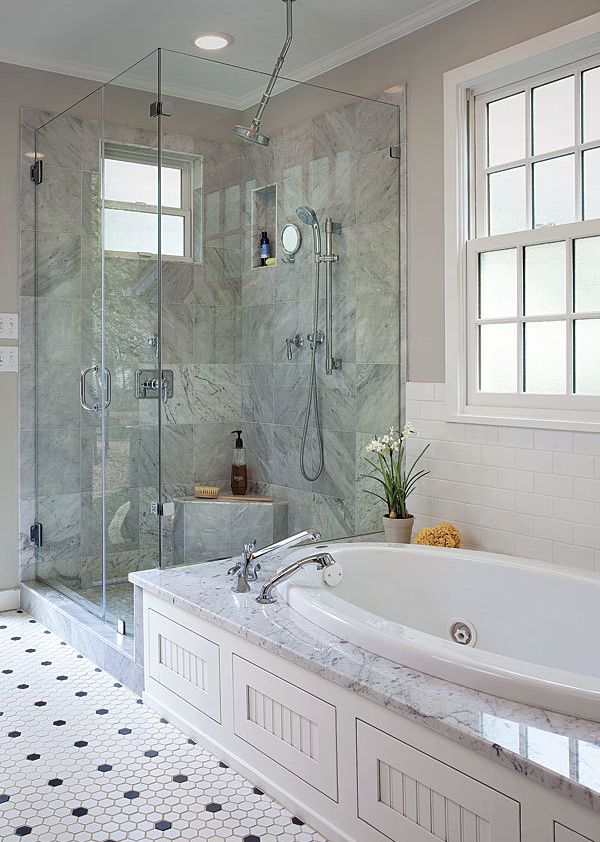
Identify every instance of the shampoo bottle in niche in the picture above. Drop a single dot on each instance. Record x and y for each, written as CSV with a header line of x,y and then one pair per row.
x,y
239,476
265,248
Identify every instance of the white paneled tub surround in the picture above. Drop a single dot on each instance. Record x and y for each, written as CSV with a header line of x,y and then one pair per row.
x,y
534,627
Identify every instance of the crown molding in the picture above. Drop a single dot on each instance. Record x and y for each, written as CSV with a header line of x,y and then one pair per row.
x,y
400,28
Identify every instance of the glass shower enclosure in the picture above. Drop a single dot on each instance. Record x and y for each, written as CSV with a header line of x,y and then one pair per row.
x,y
159,329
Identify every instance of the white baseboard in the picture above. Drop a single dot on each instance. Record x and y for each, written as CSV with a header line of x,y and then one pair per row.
x,y
10,600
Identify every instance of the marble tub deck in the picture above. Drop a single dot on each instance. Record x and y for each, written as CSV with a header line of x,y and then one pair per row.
x,y
497,728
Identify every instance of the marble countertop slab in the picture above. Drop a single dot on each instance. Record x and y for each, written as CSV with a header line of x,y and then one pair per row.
x,y
557,751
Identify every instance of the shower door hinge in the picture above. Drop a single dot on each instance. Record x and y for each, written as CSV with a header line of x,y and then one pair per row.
x,y
159,107
36,534
162,509
36,172
395,152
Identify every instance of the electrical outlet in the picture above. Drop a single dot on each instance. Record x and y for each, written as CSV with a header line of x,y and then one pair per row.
x,y
9,358
9,326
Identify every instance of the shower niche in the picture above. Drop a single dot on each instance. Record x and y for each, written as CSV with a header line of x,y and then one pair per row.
x,y
263,218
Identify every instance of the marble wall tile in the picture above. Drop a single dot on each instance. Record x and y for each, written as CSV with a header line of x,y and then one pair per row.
x,y
286,457
332,516
290,392
206,534
27,397
177,282
59,264
60,142
257,335
334,189
58,396
378,186
213,448
59,200
31,119
292,148
91,135
337,397
257,165
250,522
378,266
128,322
205,393
338,475
222,162
178,334
122,457
378,397
27,330
334,131
299,507
122,522
58,462
177,460
130,277
150,524
257,287
213,214
257,393
213,289
91,460
377,328
290,318
58,330
377,125
259,443
124,407
27,551
61,516
217,336
27,263
27,199
369,509
27,463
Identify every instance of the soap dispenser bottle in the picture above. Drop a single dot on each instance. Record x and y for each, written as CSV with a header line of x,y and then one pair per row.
x,y
239,475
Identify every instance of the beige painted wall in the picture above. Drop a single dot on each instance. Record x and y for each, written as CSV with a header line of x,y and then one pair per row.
x,y
420,60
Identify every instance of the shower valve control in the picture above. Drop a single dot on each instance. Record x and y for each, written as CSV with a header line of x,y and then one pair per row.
x,y
298,341
149,385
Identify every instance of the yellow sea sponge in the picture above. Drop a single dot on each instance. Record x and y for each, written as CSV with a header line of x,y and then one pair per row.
x,y
440,535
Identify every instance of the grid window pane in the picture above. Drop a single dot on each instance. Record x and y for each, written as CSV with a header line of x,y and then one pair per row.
x,y
135,231
506,130
554,191
507,201
498,284
545,279
545,345
553,107
587,275
131,181
591,105
498,358
591,183
587,357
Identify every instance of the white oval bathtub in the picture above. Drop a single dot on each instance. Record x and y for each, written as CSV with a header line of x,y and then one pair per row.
x,y
537,625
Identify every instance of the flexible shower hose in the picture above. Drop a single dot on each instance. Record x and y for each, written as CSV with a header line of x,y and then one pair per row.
x,y
313,393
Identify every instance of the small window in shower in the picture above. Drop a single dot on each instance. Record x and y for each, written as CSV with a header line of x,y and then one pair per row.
x,y
131,200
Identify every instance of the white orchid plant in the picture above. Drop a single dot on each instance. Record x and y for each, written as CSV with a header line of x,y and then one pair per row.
x,y
390,469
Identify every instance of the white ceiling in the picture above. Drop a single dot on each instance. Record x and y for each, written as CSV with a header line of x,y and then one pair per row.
x,y
96,39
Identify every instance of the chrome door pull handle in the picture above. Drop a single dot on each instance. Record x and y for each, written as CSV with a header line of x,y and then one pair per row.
x,y
89,407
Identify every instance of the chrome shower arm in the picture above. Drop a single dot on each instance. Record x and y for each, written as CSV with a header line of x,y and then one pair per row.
x,y
278,65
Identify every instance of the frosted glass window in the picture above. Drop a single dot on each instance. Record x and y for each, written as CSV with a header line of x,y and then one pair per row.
x,y
506,130
498,284
591,105
135,231
591,183
554,191
551,750
131,181
545,279
587,357
507,201
587,274
498,358
553,108
545,345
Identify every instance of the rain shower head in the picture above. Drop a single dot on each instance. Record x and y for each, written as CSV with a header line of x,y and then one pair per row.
x,y
309,217
251,134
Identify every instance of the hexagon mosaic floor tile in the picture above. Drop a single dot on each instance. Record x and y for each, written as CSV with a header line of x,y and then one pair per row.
x,y
83,760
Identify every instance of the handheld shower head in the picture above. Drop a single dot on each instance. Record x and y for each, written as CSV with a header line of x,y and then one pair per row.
x,y
309,217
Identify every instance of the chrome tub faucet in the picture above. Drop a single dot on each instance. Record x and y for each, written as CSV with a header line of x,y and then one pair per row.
x,y
246,569
322,560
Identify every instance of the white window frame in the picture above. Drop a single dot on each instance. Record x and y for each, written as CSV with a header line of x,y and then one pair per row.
x,y
546,54
178,160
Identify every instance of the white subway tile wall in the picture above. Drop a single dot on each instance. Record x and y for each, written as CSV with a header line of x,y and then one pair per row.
x,y
524,492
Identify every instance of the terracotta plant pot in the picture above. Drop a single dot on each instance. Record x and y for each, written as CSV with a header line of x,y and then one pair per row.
x,y
398,530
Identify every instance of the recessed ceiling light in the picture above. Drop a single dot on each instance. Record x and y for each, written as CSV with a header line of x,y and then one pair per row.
x,y
213,40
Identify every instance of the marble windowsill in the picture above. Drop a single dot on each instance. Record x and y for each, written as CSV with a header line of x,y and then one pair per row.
x,y
473,719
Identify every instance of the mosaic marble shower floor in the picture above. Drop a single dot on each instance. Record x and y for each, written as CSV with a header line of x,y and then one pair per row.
x,y
83,760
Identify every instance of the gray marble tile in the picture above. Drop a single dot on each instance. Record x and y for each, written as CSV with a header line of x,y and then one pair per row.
x,y
334,189
280,519
338,475
369,509
291,389
378,268
217,334
232,209
60,515
27,397
58,264
58,459
299,507
124,407
91,136
205,393
286,457
122,521
149,525
91,460
27,201
378,186
31,119
259,443
27,551
128,322
257,393
222,162
178,334
338,397
58,330
60,142
213,213
332,516
131,277
257,165
250,522
257,335
290,318
28,347
177,282
27,263
292,148
377,125
212,289
213,448
91,204
335,131
378,397
206,530
257,287
59,201
58,396
377,329
177,460
27,463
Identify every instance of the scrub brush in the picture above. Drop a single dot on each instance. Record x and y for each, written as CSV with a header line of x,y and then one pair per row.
x,y
206,491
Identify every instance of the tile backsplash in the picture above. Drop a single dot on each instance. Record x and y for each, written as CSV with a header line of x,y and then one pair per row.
x,y
521,491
